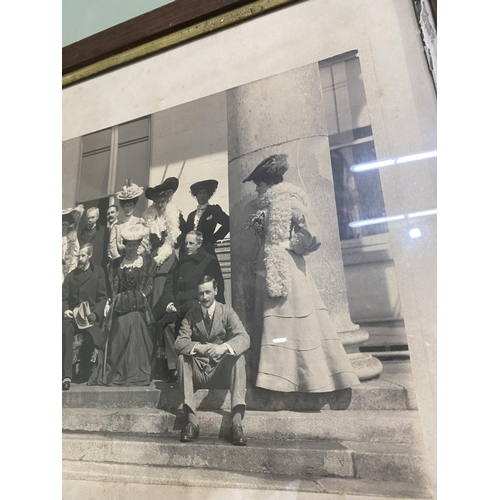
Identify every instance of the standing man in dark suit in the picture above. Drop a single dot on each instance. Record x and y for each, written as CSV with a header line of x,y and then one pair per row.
x,y
207,217
112,219
84,288
180,292
94,234
210,346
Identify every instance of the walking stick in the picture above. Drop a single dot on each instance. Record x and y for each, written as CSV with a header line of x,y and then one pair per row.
x,y
105,350
105,359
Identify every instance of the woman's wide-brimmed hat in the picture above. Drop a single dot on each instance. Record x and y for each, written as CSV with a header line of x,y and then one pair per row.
x,y
130,191
71,215
134,233
210,185
169,184
274,165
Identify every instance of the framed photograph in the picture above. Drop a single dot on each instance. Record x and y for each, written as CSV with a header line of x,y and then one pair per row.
x,y
295,151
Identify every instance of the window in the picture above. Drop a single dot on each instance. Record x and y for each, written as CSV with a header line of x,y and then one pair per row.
x,y
358,196
111,156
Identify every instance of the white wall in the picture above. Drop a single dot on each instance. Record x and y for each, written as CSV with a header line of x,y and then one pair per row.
x,y
190,142
71,153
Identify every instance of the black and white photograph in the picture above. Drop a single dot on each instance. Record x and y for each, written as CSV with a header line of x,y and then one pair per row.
x,y
249,263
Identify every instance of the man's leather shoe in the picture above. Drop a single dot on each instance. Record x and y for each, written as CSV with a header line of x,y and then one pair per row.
x,y
66,385
190,433
237,435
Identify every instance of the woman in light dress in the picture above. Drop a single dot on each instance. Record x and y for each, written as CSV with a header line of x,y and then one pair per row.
x,y
128,198
70,245
296,348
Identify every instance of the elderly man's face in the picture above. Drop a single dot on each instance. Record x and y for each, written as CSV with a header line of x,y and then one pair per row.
x,y
206,294
191,244
91,219
112,214
83,258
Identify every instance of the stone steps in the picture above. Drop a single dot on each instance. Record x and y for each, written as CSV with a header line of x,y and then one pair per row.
x,y
344,459
377,394
255,485
305,442
367,426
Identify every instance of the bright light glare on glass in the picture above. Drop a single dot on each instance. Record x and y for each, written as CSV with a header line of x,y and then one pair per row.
x,y
380,220
362,167
279,341
370,166
420,214
415,232
415,157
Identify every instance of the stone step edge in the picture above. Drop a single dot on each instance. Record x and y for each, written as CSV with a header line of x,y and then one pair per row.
x,y
408,449
371,425
168,396
376,461
204,478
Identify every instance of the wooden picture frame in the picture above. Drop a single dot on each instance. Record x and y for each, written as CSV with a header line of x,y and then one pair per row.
x,y
156,30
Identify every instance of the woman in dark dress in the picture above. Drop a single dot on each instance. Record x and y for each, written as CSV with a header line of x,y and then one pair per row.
x,y
129,323
207,217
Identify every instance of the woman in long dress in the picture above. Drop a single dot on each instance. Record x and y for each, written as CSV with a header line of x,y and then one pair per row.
x,y
166,226
165,223
128,198
129,323
70,245
299,348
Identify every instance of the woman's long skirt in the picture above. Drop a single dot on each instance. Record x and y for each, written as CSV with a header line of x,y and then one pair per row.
x,y
129,353
300,351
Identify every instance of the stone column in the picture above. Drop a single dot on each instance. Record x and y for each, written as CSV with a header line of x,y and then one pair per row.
x,y
285,114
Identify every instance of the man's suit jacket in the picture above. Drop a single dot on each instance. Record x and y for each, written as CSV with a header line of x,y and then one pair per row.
x,y
226,328
181,285
97,239
209,219
79,286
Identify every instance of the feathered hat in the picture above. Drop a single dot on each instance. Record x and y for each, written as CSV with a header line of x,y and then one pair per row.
x,y
171,183
134,233
272,166
72,215
130,191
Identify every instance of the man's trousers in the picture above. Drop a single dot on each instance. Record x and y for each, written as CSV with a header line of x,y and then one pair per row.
x,y
196,372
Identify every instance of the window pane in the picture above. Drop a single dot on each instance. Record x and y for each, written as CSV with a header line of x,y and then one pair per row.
x,y
96,141
94,169
358,195
133,157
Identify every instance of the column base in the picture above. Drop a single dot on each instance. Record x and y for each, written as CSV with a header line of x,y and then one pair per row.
x,y
365,365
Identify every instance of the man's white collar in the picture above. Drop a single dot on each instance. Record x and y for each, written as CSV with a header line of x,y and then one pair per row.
x,y
210,310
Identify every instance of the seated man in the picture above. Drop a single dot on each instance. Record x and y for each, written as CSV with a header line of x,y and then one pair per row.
x,y
180,291
84,298
210,345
